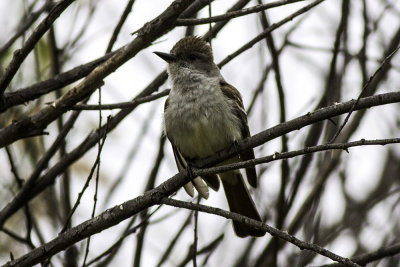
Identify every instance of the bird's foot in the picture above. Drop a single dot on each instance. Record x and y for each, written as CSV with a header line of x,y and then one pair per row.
x,y
236,147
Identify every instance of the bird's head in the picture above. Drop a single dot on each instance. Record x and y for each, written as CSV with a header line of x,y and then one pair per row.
x,y
190,54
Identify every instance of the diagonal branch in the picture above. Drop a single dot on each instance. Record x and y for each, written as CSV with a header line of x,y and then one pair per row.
x,y
155,196
298,123
259,225
38,89
234,14
25,25
21,54
146,35
256,140
372,256
267,31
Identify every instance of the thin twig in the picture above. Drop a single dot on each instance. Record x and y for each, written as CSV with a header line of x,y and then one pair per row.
x,y
195,235
120,23
256,140
175,240
362,92
78,200
234,14
24,26
262,35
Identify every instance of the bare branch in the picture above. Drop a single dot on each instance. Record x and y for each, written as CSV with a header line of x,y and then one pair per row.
x,y
273,27
259,225
234,14
148,33
21,54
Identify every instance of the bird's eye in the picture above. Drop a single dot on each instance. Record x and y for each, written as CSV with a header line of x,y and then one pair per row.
x,y
192,57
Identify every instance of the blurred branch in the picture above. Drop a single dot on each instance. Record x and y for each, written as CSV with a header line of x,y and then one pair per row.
x,y
260,86
259,225
285,171
193,248
21,54
207,248
21,239
38,89
219,25
234,14
85,186
25,25
120,23
281,205
150,185
273,27
378,70
174,240
372,256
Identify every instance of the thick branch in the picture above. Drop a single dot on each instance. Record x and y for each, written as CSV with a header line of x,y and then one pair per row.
x,y
256,140
101,222
146,35
121,212
38,89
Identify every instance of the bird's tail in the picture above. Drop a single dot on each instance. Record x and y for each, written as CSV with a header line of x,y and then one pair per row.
x,y
240,201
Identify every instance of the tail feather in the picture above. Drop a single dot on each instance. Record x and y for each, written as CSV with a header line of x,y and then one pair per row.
x,y
240,201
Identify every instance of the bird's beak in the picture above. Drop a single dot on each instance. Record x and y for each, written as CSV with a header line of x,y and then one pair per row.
x,y
167,57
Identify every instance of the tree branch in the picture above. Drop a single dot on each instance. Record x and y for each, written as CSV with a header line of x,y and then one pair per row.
x,y
234,14
256,140
298,123
121,212
146,35
21,54
259,225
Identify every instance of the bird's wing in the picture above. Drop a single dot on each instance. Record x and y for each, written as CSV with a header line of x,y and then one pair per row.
x,y
233,94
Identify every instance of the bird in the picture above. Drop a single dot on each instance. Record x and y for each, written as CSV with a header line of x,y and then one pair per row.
x,y
203,115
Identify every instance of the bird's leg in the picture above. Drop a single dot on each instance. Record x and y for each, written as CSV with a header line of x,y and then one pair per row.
x,y
189,169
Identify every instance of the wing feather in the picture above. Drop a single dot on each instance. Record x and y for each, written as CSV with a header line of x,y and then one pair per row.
x,y
233,94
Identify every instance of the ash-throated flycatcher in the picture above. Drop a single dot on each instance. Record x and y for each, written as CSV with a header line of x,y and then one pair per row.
x,y
204,114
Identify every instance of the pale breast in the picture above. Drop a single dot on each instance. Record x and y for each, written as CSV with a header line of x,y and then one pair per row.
x,y
200,120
